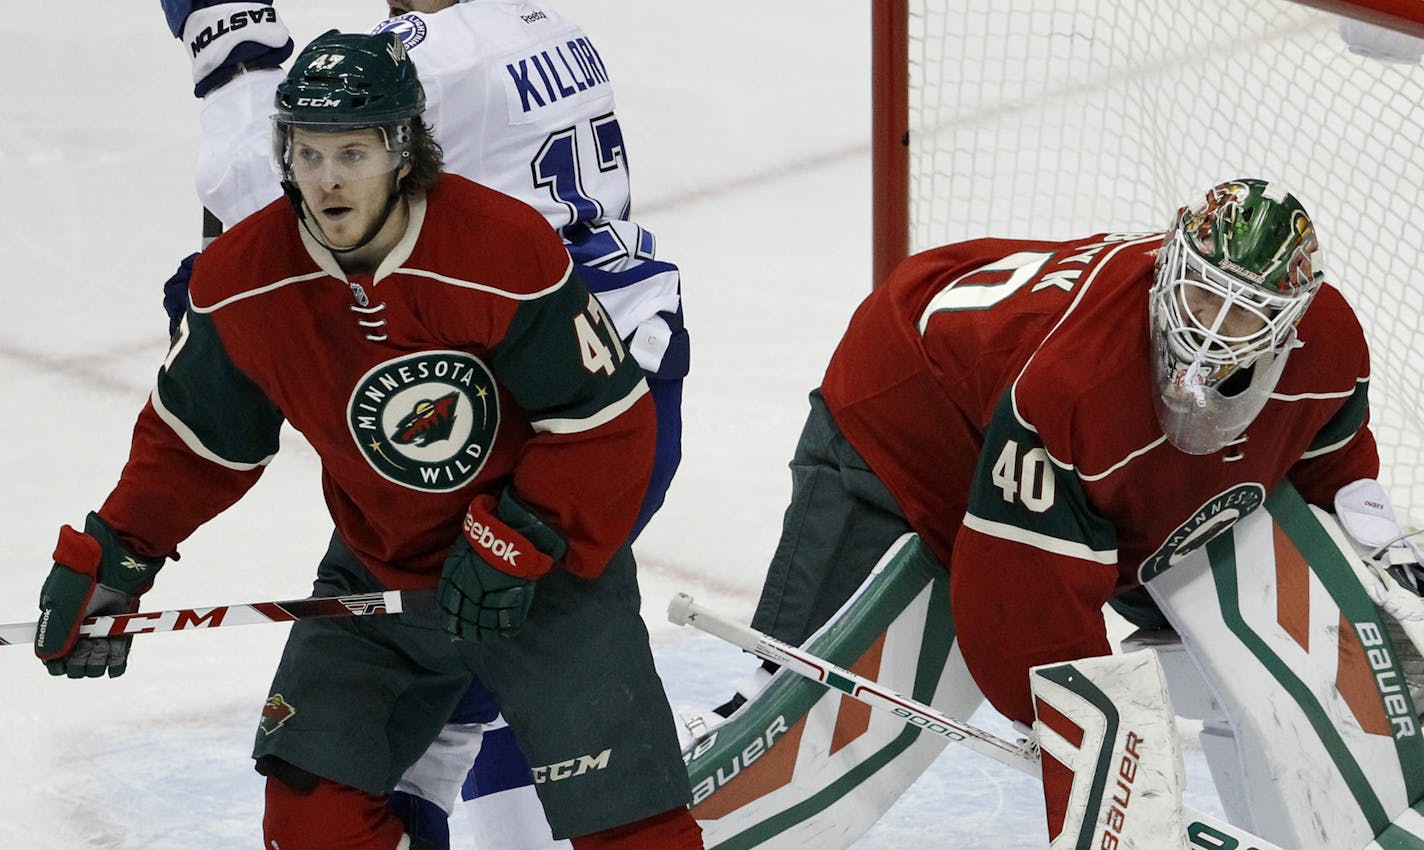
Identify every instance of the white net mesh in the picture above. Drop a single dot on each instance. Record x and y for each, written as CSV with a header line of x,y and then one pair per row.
x,y
1058,118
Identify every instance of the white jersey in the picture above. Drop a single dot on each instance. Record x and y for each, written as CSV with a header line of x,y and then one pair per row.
x,y
520,100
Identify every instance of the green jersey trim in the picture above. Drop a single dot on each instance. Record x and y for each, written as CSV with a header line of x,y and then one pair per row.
x,y
1022,494
1346,422
211,405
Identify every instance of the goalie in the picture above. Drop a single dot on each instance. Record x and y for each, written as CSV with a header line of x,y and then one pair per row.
x,y
1061,421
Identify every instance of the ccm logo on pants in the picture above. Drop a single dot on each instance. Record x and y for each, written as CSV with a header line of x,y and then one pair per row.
x,y
573,767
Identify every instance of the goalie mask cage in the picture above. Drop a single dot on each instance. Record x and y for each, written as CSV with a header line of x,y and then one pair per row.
x,y
1052,119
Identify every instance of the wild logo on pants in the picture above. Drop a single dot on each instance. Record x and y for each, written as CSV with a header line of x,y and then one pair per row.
x,y
276,712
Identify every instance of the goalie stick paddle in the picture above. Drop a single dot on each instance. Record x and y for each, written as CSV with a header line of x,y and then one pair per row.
x,y
183,619
1203,830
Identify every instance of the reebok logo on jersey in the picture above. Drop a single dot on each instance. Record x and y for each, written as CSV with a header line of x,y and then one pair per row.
x,y
230,24
533,16
481,536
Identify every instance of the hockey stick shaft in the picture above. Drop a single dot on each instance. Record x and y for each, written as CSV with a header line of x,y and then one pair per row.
x,y
1203,831
184,619
683,611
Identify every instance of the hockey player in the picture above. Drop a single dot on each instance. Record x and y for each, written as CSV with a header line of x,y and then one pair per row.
x,y
1060,421
433,341
559,149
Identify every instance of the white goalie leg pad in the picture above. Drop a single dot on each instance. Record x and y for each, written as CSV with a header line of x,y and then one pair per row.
x,y
1192,699
799,765
1112,764
1316,746
694,724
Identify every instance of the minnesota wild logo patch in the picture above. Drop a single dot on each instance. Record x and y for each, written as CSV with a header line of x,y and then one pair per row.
x,y
276,712
1216,516
426,421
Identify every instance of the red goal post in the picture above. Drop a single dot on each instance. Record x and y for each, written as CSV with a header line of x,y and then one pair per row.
x,y
1055,118
1406,16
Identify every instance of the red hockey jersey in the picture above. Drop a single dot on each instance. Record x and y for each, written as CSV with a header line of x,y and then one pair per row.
x,y
472,360
1002,390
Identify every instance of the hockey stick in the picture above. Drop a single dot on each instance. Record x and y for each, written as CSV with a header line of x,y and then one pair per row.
x,y
181,619
1203,830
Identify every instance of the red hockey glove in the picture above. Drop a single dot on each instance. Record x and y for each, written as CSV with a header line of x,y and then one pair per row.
x,y
487,585
94,573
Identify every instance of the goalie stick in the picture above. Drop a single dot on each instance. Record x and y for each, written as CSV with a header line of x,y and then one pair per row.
x,y
183,619
1204,832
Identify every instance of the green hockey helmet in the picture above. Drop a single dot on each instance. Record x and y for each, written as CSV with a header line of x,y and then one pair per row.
x,y
349,81
1235,273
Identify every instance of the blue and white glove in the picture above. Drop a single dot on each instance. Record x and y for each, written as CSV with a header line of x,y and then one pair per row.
x,y
223,38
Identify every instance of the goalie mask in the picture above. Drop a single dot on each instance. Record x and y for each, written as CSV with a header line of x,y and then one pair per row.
x,y
1233,278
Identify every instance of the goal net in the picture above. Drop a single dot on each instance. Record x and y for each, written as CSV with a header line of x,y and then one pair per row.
x,y
1056,118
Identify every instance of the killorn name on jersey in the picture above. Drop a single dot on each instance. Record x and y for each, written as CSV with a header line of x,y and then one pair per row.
x,y
541,79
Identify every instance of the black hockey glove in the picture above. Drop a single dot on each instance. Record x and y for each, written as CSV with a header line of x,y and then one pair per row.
x,y
94,573
487,585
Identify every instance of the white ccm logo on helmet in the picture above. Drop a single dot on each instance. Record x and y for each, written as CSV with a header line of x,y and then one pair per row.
x,y
319,102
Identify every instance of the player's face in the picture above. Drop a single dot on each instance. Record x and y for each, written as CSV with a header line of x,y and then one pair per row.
x,y
400,7
1205,306
345,179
